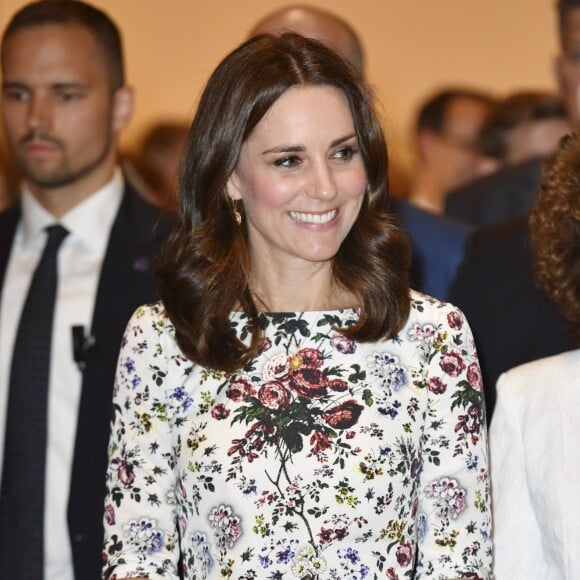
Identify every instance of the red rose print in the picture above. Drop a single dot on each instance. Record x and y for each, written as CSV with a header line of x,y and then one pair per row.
x,y
220,412
474,377
436,385
343,416
274,395
452,363
455,320
240,389
308,382
337,385
311,357
320,442
125,472
405,554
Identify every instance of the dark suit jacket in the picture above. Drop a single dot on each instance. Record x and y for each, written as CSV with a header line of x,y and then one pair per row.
x,y
125,283
512,320
437,245
504,195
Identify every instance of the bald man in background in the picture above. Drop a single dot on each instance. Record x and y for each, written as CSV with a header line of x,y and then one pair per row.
x,y
317,24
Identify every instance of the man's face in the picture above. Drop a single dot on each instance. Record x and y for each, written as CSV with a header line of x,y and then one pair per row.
x,y
454,151
58,107
568,66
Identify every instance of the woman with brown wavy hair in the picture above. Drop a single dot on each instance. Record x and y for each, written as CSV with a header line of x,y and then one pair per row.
x,y
536,424
291,409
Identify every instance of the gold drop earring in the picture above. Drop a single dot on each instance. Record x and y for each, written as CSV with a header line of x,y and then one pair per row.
x,y
236,212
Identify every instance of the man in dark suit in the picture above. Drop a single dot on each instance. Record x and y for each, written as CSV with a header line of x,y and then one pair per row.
x,y
505,194
64,103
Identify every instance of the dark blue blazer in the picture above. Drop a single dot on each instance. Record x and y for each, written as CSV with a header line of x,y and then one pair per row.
x,y
437,247
125,283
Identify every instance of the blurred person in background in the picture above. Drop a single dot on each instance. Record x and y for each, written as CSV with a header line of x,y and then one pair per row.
x,y
522,126
157,162
446,144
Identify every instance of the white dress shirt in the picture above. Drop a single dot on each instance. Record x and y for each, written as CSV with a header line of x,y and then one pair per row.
x,y
535,468
80,260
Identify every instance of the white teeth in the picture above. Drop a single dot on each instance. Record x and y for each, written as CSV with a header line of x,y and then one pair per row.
x,y
313,218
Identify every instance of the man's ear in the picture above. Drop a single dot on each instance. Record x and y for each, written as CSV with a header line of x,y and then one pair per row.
x,y
123,106
233,186
425,141
558,67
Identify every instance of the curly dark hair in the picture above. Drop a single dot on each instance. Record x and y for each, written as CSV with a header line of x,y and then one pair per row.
x,y
555,231
205,270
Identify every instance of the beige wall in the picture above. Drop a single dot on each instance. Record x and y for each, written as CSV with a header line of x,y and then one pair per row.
x,y
412,47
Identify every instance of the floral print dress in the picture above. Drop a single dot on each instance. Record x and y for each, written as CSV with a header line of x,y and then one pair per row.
x,y
322,458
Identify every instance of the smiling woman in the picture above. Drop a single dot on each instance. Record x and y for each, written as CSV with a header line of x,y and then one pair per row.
x,y
291,409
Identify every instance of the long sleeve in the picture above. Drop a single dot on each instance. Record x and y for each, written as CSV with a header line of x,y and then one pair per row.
x,y
141,539
454,512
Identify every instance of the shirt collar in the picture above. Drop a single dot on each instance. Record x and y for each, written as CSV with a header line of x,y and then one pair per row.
x,y
89,222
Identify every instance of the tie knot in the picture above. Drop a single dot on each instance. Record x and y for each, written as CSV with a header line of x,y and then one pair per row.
x,y
56,234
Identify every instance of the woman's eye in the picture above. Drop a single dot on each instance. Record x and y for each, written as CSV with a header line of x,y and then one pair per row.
x,y
345,153
288,161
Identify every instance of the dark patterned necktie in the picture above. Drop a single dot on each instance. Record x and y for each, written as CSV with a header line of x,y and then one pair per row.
x,y
23,472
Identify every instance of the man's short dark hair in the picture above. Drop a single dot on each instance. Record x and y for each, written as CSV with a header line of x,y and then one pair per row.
x,y
432,112
515,111
564,7
66,12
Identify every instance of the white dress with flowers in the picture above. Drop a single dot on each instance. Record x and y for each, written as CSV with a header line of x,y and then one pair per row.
x,y
321,459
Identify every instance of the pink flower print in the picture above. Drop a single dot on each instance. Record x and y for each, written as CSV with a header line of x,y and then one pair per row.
x,y
266,345
449,497
436,386
125,472
274,395
343,416
474,377
227,526
311,357
276,368
240,389
220,412
309,383
470,423
392,575
110,515
320,443
337,385
452,363
404,554
343,344
455,320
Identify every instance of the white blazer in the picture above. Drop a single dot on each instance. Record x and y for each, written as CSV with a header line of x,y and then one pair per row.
x,y
535,468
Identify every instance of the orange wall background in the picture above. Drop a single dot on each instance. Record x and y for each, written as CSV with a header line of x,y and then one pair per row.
x,y
412,47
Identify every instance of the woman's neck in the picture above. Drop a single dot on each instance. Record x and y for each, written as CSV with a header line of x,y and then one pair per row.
x,y
297,290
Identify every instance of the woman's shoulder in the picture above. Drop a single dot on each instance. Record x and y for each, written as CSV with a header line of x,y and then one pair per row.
x,y
151,318
560,371
426,309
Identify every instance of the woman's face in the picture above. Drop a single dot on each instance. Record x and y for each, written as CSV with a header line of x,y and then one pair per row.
x,y
301,178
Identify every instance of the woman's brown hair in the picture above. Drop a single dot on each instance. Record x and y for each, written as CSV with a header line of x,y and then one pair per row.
x,y
205,267
555,231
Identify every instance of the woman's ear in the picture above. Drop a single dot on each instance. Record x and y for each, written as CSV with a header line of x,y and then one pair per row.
x,y
233,187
